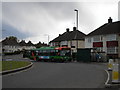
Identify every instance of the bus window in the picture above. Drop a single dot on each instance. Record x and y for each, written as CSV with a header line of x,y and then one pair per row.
x,y
36,52
58,53
40,52
68,53
52,52
62,53
45,52
65,53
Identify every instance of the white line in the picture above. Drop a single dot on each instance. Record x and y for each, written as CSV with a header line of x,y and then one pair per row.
x,y
8,59
106,83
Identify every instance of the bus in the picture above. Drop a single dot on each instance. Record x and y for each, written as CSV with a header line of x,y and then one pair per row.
x,y
51,54
26,53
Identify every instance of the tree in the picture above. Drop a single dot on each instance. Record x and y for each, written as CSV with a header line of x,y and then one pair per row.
x,y
12,38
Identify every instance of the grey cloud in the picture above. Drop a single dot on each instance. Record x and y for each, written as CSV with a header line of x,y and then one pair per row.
x,y
39,18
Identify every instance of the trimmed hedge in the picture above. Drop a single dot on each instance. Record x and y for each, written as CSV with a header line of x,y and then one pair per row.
x,y
12,53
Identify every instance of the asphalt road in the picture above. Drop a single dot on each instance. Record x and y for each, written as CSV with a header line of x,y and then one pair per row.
x,y
58,75
17,57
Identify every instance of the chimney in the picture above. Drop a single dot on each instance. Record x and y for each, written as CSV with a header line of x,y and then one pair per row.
x,y
74,28
110,20
67,29
59,34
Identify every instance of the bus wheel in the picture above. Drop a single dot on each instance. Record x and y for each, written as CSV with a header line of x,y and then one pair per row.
x,y
65,61
52,60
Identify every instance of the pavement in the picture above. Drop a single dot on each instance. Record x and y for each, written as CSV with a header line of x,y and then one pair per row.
x,y
109,83
17,57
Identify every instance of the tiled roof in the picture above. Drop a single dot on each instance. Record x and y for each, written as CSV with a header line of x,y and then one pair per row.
x,y
108,28
70,35
22,43
29,44
40,44
12,42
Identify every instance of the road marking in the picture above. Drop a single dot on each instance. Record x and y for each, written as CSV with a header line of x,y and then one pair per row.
x,y
8,59
106,83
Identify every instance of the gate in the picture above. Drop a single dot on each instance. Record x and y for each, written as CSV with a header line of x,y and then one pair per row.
x,y
84,55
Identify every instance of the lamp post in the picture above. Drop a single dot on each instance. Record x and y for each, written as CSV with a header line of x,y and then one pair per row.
x,y
48,37
76,18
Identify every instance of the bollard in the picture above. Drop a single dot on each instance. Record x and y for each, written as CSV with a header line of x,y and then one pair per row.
x,y
110,64
115,73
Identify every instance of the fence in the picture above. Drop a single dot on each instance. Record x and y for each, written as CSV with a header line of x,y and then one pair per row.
x,y
102,57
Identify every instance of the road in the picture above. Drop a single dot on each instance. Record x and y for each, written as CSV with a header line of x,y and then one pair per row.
x,y
17,57
58,75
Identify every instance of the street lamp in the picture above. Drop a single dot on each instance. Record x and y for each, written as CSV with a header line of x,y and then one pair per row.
x,y
76,18
48,37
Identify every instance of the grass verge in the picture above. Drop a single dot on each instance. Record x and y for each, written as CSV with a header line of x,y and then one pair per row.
x,y
9,65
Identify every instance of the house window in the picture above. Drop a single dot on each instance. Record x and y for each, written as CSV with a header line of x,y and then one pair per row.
x,y
97,44
112,43
72,46
89,40
111,37
64,45
112,50
73,43
99,49
101,38
97,38
64,42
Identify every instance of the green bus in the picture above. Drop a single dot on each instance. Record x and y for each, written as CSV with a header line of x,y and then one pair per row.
x,y
27,53
51,54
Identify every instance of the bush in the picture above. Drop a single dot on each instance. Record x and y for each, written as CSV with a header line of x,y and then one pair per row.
x,y
12,53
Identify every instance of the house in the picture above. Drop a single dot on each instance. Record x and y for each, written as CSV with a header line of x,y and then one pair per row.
x,y
39,44
10,44
74,39
106,39
26,46
23,45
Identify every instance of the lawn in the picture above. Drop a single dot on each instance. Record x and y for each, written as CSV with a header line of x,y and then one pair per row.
x,y
9,65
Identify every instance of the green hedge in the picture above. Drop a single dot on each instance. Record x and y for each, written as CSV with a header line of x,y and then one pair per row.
x,y
12,53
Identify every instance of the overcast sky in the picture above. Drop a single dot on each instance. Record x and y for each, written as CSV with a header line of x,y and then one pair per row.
x,y
36,20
